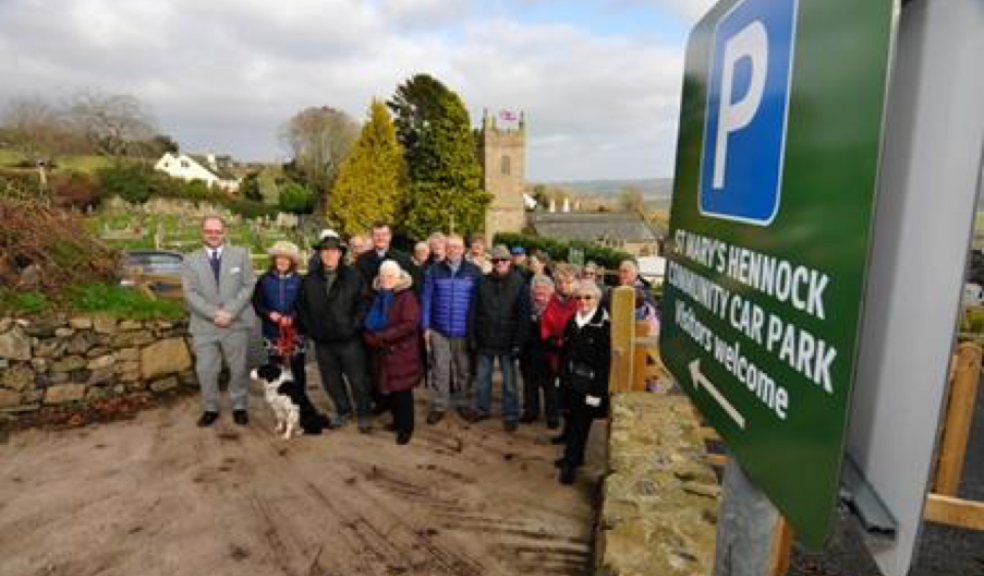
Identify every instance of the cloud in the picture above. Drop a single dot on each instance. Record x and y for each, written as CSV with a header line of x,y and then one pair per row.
x,y
225,74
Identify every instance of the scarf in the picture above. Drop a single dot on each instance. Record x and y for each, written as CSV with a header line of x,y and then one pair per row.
x,y
379,313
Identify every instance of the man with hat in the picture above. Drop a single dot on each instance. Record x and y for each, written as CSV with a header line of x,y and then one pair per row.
x,y
519,263
332,306
500,328
217,283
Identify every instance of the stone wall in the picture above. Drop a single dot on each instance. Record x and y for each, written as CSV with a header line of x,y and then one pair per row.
x,y
57,359
660,500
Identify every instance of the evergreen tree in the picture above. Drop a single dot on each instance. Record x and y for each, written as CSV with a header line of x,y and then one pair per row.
x,y
445,191
372,182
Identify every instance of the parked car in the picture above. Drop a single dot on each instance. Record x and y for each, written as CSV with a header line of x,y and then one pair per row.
x,y
164,266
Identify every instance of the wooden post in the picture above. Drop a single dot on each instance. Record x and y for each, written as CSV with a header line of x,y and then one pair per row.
x,y
782,548
959,417
623,338
639,356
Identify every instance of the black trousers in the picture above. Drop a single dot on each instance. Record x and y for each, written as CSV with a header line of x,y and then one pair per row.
x,y
538,376
577,428
401,406
348,359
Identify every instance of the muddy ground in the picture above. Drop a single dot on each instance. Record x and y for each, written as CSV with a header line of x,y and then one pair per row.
x,y
157,495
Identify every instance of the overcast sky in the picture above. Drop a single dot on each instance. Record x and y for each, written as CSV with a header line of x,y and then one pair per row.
x,y
599,80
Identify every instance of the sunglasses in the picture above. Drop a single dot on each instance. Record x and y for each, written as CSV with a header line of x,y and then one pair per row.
x,y
584,297
499,260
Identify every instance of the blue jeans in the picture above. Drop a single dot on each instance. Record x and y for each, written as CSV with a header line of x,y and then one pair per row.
x,y
483,392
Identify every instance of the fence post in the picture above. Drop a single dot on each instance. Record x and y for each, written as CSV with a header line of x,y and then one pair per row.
x,y
623,338
959,418
639,356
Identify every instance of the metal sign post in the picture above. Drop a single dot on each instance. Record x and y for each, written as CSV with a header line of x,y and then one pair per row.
x,y
780,134
929,183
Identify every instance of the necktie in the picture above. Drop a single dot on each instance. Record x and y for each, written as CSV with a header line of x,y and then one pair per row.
x,y
216,264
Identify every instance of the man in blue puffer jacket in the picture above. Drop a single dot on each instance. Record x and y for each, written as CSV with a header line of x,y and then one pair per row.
x,y
448,303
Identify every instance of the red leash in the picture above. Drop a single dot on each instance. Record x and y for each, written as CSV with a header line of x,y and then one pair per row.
x,y
287,341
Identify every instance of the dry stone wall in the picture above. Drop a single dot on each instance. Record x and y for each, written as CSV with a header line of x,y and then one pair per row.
x,y
660,499
59,359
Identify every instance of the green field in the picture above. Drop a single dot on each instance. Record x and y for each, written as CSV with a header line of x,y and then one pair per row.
x,y
87,164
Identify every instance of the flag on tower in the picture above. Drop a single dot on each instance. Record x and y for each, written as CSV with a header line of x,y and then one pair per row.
x,y
507,115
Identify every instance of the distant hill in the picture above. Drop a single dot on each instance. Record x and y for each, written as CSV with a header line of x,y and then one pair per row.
x,y
652,188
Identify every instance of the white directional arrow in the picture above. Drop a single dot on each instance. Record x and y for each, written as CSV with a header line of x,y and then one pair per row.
x,y
700,380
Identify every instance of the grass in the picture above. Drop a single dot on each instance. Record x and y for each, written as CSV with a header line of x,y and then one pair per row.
x,y
117,301
27,303
123,302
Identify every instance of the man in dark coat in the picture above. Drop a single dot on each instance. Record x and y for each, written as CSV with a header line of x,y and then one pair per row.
x,y
332,306
502,316
368,262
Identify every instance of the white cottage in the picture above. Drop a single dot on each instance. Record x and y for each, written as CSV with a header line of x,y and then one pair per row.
x,y
209,169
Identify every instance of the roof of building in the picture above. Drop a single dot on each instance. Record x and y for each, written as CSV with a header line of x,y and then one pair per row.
x,y
594,226
223,165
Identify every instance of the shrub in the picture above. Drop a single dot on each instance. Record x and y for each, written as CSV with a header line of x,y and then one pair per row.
x,y
296,198
133,183
78,191
560,251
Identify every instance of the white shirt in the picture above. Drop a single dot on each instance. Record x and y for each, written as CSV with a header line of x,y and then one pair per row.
x,y
582,320
214,253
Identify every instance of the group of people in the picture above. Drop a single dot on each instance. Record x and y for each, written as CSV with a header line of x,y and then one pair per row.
x,y
382,322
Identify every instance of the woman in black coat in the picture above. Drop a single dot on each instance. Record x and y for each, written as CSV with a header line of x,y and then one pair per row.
x,y
585,359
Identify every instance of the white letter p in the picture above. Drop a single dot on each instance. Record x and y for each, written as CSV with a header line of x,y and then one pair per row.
x,y
751,42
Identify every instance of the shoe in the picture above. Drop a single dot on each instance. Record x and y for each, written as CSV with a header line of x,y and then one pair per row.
x,y
553,424
510,426
567,475
559,439
473,416
339,421
240,417
527,418
561,462
365,427
403,438
207,419
435,417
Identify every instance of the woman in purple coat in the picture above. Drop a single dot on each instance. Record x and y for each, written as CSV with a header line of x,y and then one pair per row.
x,y
392,332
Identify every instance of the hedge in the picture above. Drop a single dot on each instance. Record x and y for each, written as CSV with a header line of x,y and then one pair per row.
x,y
559,250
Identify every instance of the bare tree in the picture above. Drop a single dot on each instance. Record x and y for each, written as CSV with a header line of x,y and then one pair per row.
x,y
111,122
318,139
34,126
630,199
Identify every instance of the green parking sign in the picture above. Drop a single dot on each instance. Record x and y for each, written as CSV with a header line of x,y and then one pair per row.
x,y
777,162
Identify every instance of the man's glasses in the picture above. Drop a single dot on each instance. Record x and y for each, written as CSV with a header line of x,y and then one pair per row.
x,y
582,297
499,260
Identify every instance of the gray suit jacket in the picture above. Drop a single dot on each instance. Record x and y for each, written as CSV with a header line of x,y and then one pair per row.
x,y
233,294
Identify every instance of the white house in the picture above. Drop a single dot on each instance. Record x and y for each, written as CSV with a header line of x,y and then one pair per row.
x,y
209,169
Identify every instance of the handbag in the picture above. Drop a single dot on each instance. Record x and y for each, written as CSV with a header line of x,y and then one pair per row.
x,y
582,377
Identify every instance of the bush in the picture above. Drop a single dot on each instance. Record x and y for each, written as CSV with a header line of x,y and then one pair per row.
x,y
560,251
249,209
296,198
123,302
133,183
78,191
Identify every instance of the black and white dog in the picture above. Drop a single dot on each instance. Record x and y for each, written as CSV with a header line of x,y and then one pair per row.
x,y
279,387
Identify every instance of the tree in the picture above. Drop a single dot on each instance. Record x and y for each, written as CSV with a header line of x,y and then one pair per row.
x,y
296,198
445,189
35,126
318,140
541,198
630,199
113,123
372,182
249,188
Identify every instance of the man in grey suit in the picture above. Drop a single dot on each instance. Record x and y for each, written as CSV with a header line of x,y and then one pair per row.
x,y
217,281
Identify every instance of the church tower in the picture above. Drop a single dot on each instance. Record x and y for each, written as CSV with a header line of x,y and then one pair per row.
x,y
503,155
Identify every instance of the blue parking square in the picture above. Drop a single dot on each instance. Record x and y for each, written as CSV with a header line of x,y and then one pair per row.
x,y
747,108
